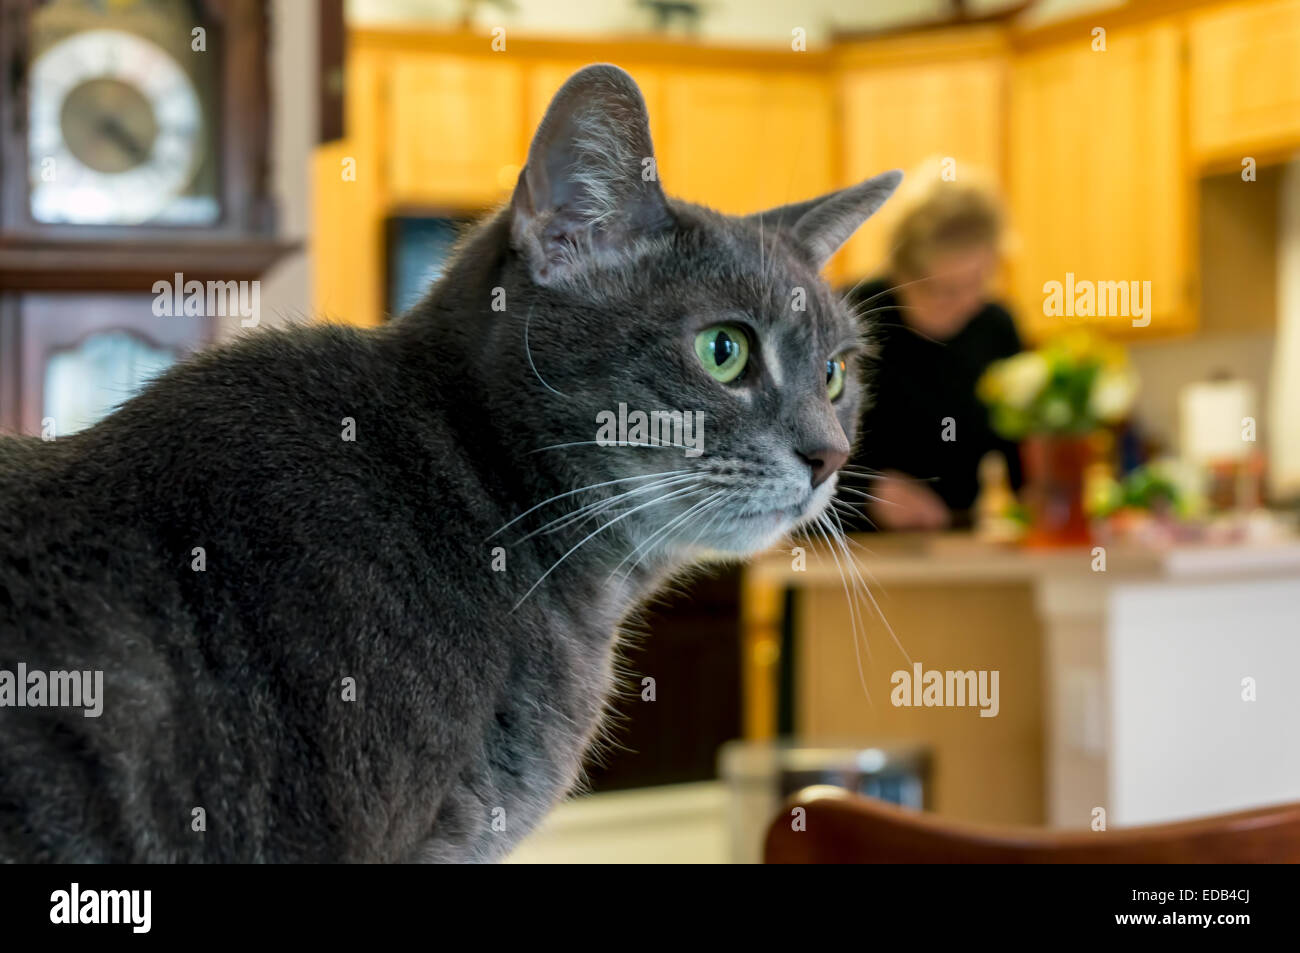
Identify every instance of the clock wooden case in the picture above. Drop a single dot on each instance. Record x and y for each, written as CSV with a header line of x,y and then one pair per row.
x,y
134,143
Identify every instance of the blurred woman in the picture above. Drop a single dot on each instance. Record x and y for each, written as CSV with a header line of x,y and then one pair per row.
x,y
935,330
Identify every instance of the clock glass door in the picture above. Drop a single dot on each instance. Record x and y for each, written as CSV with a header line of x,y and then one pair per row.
x,y
71,359
87,381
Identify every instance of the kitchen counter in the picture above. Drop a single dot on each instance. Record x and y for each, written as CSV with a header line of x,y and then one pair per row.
x,y
1124,673
960,557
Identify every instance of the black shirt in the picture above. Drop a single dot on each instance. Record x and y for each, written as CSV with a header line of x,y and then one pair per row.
x,y
914,383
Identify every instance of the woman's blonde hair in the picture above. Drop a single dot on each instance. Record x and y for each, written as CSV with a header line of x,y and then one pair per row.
x,y
944,216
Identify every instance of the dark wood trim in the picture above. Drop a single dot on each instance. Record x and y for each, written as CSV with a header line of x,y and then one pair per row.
x,y
10,364
246,116
95,266
14,15
331,39
960,18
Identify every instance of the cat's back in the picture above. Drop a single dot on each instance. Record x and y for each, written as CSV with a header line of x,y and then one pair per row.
x,y
238,453
200,548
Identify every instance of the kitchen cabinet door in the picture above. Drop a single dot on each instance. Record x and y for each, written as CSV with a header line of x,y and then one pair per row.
x,y
1245,81
900,116
455,130
349,204
741,141
1099,185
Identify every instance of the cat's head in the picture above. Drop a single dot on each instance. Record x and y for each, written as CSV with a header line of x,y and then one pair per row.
x,y
633,304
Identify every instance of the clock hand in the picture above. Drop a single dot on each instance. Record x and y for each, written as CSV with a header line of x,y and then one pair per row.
x,y
115,131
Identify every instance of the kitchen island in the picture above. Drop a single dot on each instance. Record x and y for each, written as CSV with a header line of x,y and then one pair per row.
x,y
1148,685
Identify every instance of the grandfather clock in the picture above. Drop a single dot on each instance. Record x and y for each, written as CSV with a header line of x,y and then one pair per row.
x,y
134,149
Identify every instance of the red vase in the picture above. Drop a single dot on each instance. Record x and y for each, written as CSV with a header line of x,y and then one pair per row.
x,y
1054,467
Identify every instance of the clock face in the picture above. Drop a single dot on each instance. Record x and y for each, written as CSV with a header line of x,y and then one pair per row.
x,y
115,134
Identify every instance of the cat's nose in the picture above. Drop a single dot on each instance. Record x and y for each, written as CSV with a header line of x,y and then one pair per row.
x,y
823,462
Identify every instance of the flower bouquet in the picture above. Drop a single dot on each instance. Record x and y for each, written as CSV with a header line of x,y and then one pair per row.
x,y
1054,400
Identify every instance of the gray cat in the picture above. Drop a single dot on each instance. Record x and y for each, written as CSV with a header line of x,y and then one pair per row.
x,y
354,594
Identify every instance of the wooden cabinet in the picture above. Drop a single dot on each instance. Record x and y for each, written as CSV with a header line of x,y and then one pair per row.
x,y
737,140
349,204
1245,81
907,102
743,140
455,130
1098,178
733,139
1096,152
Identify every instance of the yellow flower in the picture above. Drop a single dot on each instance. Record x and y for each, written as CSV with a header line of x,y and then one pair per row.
x,y
989,386
1078,346
1022,378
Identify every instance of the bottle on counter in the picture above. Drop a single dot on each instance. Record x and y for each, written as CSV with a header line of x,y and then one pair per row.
x,y
996,504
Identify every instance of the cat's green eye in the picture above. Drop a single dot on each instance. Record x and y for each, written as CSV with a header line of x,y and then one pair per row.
x,y
723,350
835,378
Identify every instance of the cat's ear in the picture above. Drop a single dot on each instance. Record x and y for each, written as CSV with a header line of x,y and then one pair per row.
x,y
820,226
590,190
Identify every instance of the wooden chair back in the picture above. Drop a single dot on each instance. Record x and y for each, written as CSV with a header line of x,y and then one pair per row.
x,y
841,827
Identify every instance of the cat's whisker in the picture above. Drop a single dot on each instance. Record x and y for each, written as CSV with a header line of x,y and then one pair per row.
x,y
864,495
857,311
643,550
859,315
859,490
880,294
850,600
848,471
719,509
844,507
612,443
596,507
862,567
855,492
861,513
529,354
582,489
845,485
672,494
867,589
856,583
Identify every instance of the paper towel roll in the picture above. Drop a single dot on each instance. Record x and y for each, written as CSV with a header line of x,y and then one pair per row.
x,y
1216,421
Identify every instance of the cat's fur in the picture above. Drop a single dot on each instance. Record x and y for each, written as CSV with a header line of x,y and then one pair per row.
x,y
372,559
